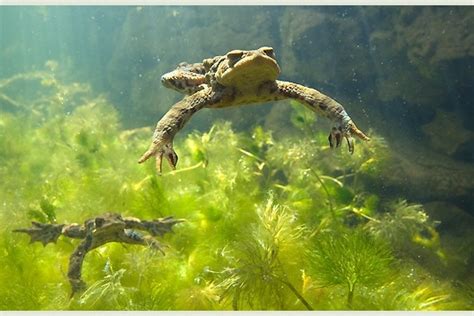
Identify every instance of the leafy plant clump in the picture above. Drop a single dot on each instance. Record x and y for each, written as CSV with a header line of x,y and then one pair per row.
x,y
271,222
351,259
257,272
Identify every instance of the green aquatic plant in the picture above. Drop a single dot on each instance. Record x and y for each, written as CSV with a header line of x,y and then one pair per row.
x,y
65,157
413,288
257,272
408,228
46,212
108,292
43,93
351,259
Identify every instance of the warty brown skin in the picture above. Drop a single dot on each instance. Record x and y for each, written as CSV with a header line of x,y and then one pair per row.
x,y
98,231
240,77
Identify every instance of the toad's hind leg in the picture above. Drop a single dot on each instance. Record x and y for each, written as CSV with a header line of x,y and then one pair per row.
x,y
324,105
172,122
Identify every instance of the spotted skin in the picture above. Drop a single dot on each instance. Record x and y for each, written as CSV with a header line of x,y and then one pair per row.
x,y
96,232
187,78
237,78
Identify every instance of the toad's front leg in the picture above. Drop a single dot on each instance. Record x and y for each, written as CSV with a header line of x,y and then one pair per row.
x,y
172,122
325,106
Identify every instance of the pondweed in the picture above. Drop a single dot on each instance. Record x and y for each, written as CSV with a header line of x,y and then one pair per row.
x,y
271,222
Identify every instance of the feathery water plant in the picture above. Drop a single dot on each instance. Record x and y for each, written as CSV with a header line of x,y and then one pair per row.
x,y
413,288
351,259
108,292
257,272
408,228
237,249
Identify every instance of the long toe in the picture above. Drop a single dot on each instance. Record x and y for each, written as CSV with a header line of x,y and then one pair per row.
x,y
338,139
146,156
331,140
350,143
159,161
334,137
357,132
170,155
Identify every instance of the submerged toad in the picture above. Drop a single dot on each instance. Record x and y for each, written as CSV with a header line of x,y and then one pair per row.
x,y
98,231
239,77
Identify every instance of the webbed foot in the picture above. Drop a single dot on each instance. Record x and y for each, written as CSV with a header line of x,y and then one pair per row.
x,y
345,131
158,227
44,233
160,151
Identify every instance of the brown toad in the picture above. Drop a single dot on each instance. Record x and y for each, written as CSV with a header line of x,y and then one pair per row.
x,y
239,77
96,232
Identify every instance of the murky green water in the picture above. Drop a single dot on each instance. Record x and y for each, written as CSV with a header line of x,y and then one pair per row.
x,y
273,218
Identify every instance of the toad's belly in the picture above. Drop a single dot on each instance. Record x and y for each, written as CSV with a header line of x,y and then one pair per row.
x,y
235,97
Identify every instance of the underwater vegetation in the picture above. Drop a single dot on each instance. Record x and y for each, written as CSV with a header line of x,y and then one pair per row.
x,y
269,222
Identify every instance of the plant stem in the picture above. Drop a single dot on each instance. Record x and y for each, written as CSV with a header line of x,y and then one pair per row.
x,y
173,172
235,300
350,295
297,294
355,211
331,208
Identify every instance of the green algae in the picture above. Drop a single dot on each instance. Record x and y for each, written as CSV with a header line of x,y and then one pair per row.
x,y
271,222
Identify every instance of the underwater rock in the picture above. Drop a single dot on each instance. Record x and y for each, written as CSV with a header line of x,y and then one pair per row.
x,y
452,219
308,36
415,46
437,35
423,175
456,236
401,63
446,132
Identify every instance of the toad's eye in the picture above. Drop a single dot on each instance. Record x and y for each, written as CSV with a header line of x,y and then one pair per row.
x,y
268,51
235,55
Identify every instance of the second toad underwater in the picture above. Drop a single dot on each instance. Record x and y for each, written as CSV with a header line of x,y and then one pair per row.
x,y
239,77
